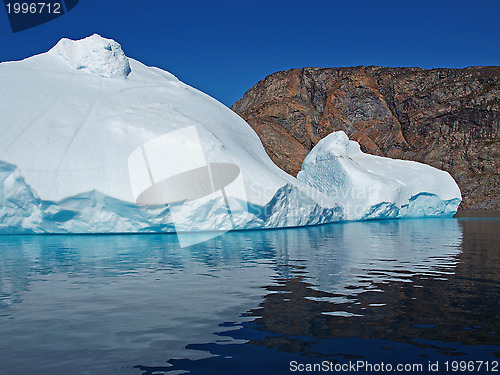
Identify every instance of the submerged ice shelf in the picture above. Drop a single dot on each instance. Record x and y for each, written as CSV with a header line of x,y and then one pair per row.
x,y
86,130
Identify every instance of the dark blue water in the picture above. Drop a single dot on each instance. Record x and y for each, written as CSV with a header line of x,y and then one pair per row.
x,y
408,292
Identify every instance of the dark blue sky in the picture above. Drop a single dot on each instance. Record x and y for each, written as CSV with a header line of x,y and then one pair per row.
x,y
224,47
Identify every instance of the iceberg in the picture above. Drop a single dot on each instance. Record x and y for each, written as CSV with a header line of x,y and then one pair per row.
x,y
375,187
96,142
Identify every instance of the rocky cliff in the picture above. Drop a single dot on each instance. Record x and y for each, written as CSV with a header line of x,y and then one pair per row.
x,y
447,118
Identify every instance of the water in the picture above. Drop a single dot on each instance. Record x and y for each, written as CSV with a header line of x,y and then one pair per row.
x,y
255,302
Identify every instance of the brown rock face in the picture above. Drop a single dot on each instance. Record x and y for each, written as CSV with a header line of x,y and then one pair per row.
x,y
447,118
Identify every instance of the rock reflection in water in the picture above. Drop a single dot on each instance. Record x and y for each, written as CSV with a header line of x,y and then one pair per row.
x,y
404,281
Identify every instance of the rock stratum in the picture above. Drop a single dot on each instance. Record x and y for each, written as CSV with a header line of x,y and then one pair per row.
x,y
447,118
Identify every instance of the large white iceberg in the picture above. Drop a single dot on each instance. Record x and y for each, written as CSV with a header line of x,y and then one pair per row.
x,y
86,132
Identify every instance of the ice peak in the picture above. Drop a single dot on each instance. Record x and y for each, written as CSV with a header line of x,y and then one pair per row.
x,y
334,145
95,54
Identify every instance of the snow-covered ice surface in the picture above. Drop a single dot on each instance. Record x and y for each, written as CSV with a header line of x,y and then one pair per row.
x,y
72,117
372,187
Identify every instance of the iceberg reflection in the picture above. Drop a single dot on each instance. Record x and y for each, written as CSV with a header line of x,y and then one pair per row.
x,y
112,302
